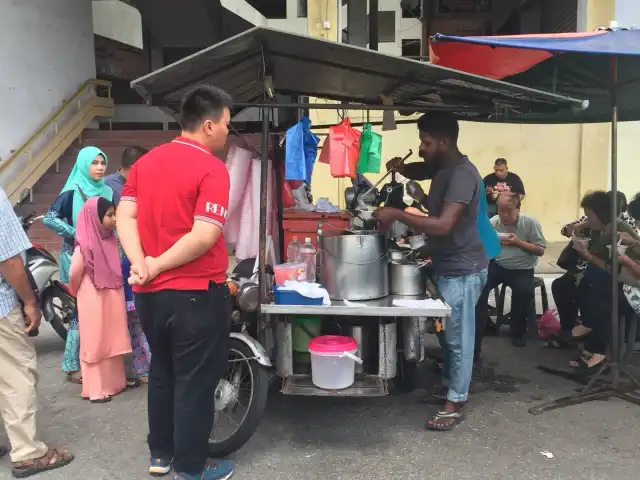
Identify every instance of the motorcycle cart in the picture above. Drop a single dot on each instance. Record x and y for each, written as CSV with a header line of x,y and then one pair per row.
x,y
267,71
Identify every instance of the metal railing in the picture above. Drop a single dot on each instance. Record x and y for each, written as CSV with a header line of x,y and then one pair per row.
x,y
36,154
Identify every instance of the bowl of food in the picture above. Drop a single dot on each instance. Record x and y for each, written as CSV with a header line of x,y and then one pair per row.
x,y
583,242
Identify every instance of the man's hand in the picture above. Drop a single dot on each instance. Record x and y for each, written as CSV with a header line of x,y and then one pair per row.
x,y
397,164
627,239
489,190
385,217
139,274
510,239
494,194
153,268
32,317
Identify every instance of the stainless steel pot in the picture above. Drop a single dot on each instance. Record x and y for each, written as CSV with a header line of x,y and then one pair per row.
x,y
407,278
354,266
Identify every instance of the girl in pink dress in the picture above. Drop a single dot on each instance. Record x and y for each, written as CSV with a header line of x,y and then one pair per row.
x,y
95,277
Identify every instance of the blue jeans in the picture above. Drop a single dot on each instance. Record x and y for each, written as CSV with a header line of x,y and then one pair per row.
x,y
458,338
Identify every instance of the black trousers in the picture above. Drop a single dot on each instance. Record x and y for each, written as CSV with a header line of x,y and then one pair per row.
x,y
188,334
596,311
522,294
568,296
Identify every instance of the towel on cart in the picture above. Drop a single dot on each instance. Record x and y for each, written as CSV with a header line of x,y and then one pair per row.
x,y
309,290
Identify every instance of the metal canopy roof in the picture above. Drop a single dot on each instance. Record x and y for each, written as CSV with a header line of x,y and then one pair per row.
x,y
301,65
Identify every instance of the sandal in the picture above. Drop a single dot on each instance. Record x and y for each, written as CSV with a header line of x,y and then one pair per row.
x,y
49,461
133,383
436,422
3,451
586,368
75,377
584,357
101,400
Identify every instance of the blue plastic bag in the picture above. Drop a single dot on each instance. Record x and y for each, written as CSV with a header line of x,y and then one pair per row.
x,y
487,234
301,150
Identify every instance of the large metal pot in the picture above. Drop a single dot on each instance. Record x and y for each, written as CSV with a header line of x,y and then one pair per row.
x,y
407,278
354,266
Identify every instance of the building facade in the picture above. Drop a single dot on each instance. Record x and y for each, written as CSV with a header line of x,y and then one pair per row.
x,y
62,43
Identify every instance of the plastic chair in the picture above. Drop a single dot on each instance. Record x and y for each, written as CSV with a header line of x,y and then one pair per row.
x,y
538,282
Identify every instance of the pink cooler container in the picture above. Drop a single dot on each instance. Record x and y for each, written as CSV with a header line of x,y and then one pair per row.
x,y
289,271
333,361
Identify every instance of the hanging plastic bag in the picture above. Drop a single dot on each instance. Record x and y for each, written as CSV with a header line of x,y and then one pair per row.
x,y
301,149
370,155
341,150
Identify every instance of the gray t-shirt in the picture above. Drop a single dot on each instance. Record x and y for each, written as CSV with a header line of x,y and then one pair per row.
x,y
527,229
461,252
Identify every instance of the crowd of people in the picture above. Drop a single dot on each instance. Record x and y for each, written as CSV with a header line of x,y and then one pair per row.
x,y
143,251
151,284
467,217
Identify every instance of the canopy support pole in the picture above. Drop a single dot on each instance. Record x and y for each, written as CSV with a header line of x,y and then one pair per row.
x,y
615,362
264,177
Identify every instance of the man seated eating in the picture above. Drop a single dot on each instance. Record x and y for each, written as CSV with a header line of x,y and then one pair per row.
x,y
523,243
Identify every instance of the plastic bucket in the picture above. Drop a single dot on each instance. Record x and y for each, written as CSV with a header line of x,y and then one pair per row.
x,y
333,361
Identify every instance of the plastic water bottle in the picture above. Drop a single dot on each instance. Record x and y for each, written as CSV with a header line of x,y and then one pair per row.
x,y
293,251
308,257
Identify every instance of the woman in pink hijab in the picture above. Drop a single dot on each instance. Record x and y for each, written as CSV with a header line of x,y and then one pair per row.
x,y
95,277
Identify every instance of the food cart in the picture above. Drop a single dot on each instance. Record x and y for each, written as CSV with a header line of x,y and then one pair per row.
x,y
269,71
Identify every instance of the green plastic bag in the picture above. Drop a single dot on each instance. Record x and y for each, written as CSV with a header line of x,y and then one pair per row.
x,y
370,151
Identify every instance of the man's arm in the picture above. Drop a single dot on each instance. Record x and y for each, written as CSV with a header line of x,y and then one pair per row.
x,y
535,243
414,171
12,269
460,193
127,222
439,226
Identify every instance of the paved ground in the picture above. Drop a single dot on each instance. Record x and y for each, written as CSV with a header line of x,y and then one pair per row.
x,y
313,438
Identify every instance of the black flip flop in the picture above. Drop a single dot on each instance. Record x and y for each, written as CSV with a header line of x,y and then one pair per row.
x,y
586,368
133,383
101,400
433,424
3,451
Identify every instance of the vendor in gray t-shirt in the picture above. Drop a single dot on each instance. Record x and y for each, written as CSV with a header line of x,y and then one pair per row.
x,y
459,259
522,245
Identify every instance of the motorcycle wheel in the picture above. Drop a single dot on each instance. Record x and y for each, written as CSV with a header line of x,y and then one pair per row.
x,y
58,309
243,389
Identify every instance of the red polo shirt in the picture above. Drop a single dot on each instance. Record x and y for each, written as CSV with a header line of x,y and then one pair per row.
x,y
173,185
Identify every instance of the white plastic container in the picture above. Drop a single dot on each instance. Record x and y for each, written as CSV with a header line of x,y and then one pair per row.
x,y
308,256
333,361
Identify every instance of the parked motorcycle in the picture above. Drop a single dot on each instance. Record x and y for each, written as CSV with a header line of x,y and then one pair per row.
x,y
57,303
241,396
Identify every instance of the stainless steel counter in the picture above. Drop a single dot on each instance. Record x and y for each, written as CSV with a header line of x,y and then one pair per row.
x,y
381,307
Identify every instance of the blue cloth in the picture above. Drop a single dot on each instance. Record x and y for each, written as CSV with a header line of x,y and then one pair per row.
x,y
613,42
13,242
486,232
458,339
301,150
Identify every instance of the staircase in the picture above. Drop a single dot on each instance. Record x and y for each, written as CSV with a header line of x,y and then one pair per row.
x,y
112,143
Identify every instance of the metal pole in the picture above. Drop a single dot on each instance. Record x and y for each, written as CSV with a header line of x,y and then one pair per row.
x,y
264,176
615,320
373,24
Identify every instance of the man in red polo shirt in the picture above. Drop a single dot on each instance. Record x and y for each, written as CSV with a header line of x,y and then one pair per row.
x,y
170,220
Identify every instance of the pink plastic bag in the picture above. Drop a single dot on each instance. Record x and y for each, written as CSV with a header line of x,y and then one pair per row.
x,y
548,324
341,150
